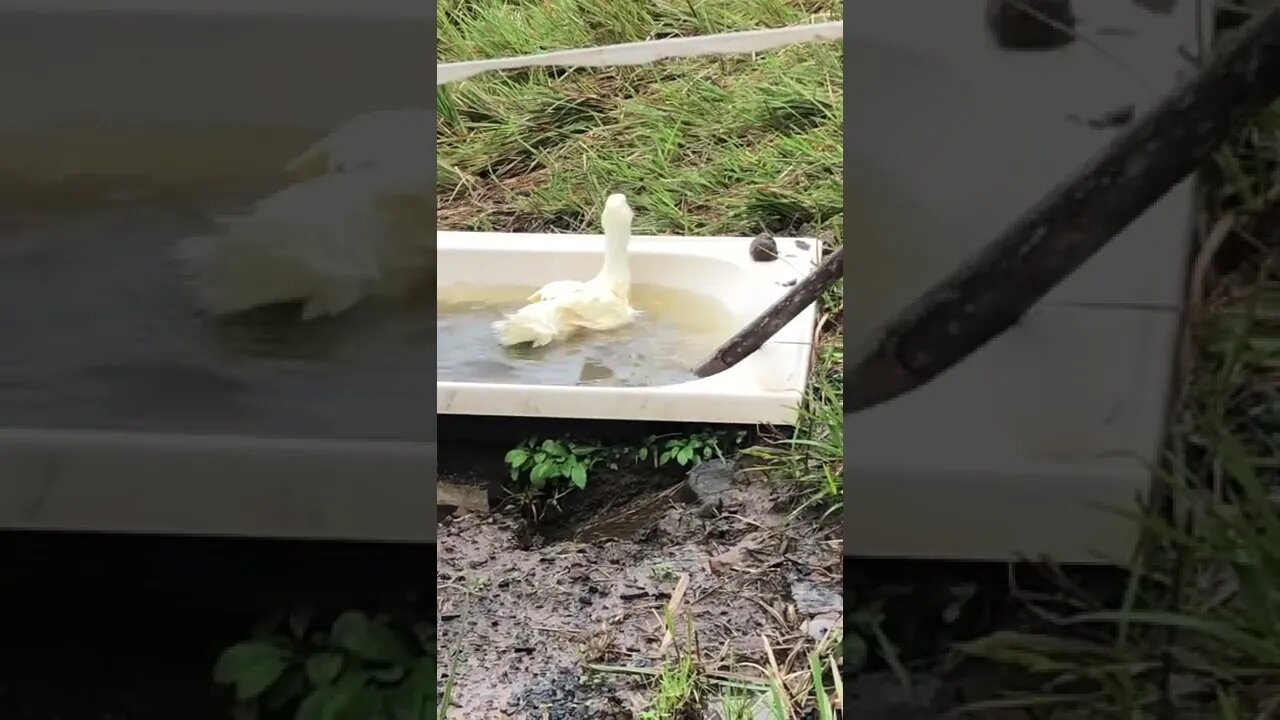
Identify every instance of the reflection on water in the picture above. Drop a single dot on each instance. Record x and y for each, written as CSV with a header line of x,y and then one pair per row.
x,y
677,329
98,334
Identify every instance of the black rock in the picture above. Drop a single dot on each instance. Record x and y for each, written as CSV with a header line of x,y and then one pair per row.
x,y
763,248
709,481
1031,24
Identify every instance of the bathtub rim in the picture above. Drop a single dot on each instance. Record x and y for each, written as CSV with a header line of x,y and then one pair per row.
x,y
122,482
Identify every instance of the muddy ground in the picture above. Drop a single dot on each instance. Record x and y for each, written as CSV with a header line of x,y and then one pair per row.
x,y
525,608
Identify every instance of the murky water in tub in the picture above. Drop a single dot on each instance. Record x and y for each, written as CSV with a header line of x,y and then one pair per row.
x,y
676,331
97,333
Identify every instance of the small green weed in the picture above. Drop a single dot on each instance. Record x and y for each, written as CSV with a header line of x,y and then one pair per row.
x,y
684,687
547,464
360,668
446,695
688,450
663,572
677,692
811,460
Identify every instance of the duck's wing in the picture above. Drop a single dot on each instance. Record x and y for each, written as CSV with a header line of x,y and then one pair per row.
x,y
256,262
309,239
538,323
598,310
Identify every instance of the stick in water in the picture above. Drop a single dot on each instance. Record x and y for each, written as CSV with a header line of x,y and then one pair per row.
x,y
758,331
995,288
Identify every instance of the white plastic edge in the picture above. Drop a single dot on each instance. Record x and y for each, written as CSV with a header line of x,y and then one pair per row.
x,y
641,53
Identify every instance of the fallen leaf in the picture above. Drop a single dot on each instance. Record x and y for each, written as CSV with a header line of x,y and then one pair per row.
x,y
727,559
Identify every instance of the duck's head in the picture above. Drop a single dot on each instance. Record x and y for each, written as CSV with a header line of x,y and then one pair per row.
x,y
617,215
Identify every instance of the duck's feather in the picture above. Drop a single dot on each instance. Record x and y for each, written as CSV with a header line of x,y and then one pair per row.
x,y
539,323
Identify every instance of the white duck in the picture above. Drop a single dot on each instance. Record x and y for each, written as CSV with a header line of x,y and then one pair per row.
x,y
561,308
358,227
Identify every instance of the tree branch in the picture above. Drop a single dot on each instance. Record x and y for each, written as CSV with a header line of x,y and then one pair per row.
x,y
993,289
758,331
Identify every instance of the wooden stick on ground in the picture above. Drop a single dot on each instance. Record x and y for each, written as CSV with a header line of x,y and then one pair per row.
x,y
758,331
991,292
467,497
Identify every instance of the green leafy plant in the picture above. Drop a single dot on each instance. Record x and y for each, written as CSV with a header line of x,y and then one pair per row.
x,y
360,668
546,464
690,450
552,460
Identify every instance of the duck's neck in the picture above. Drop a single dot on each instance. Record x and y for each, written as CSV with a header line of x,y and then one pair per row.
x,y
616,270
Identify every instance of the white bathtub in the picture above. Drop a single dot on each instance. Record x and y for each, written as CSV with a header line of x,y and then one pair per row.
x,y
191,93
766,387
1041,442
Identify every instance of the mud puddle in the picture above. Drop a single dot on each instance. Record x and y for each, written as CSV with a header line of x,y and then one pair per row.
x,y
523,614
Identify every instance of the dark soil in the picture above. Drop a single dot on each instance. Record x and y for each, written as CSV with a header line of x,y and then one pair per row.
x,y
927,609
119,628
524,609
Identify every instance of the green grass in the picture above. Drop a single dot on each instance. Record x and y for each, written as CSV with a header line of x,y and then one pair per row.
x,y
812,456
705,146
446,695
806,686
1198,634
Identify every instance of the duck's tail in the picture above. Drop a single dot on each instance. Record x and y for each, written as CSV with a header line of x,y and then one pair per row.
x,y
535,324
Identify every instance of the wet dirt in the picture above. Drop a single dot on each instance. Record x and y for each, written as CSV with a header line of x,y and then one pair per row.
x,y
524,612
